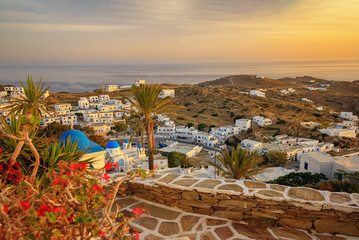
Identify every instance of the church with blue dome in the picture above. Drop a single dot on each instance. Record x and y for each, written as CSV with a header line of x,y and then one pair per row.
x,y
126,156
93,150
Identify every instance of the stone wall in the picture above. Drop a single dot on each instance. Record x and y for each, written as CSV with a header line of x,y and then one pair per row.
x,y
296,207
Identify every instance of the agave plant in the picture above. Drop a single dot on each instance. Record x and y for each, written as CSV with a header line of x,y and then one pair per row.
x,y
239,162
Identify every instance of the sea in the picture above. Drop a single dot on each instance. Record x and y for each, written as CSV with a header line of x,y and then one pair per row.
x,y
86,78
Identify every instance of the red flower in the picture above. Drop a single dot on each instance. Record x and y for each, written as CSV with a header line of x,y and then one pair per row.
x,y
137,236
25,205
42,209
137,211
101,233
68,174
58,181
0,151
6,209
108,166
106,177
115,165
97,188
82,165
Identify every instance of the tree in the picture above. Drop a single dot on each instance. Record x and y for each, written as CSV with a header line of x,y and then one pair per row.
x,y
239,162
28,109
276,159
189,125
119,127
147,106
176,159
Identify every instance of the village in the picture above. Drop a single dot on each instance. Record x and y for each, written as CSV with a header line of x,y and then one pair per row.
x,y
101,112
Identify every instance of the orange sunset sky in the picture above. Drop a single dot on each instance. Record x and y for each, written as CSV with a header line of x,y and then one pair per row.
x,y
74,31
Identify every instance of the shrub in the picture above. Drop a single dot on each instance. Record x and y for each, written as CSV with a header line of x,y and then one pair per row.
x,y
187,104
202,126
299,179
281,122
276,159
195,116
214,115
190,125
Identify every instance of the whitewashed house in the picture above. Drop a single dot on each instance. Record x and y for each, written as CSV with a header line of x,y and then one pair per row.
x,y
257,93
93,99
205,139
261,121
250,144
317,162
291,90
167,93
63,106
68,120
8,88
111,88
306,100
283,91
350,133
104,98
349,115
3,93
83,103
243,124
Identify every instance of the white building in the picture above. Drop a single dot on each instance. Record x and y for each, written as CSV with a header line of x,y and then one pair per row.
x,y
250,144
104,98
111,88
243,124
261,121
185,149
257,93
68,120
8,88
3,93
339,132
318,162
306,100
140,82
284,91
83,103
101,128
167,93
222,133
93,99
291,90
205,139
349,116
63,106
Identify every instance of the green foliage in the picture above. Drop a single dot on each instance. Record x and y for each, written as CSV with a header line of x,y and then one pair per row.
x,y
202,126
299,179
187,104
342,175
249,130
239,163
176,159
275,159
345,186
190,125
281,121
195,116
214,115
211,126
317,114
119,127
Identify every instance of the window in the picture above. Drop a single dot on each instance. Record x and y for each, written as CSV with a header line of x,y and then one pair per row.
x,y
306,166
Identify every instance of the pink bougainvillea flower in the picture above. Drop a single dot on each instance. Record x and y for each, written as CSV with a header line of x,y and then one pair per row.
x,y
25,205
106,177
6,209
42,209
108,166
97,188
59,181
68,174
101,233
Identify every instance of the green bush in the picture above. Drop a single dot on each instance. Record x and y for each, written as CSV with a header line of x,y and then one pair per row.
x,y
214,115
299,179
202,126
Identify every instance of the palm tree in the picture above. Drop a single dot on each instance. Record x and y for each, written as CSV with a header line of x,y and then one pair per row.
x,y
239,162
147,105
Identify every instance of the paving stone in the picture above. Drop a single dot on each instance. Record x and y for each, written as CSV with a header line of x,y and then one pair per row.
x,y
168,228
147,222
306,194
157,211
261,214
339,197
208,184
270,193
187,176
291,233
296,223
253,184
230,180
208,236
124,202
153,237
233,187
192,236
169,178
199,228
185,182
277,187
223,232
228,215
215,222
134,229
188,222
327,237
238,203
256,232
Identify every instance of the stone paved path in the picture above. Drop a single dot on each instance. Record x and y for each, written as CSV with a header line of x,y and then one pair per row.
x,y
170,223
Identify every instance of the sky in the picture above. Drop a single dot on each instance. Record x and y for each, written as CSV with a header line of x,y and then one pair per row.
x,y
149,31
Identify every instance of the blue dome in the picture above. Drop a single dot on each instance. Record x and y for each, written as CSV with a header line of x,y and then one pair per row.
x,y
83,143
112,144
126,141
139,146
